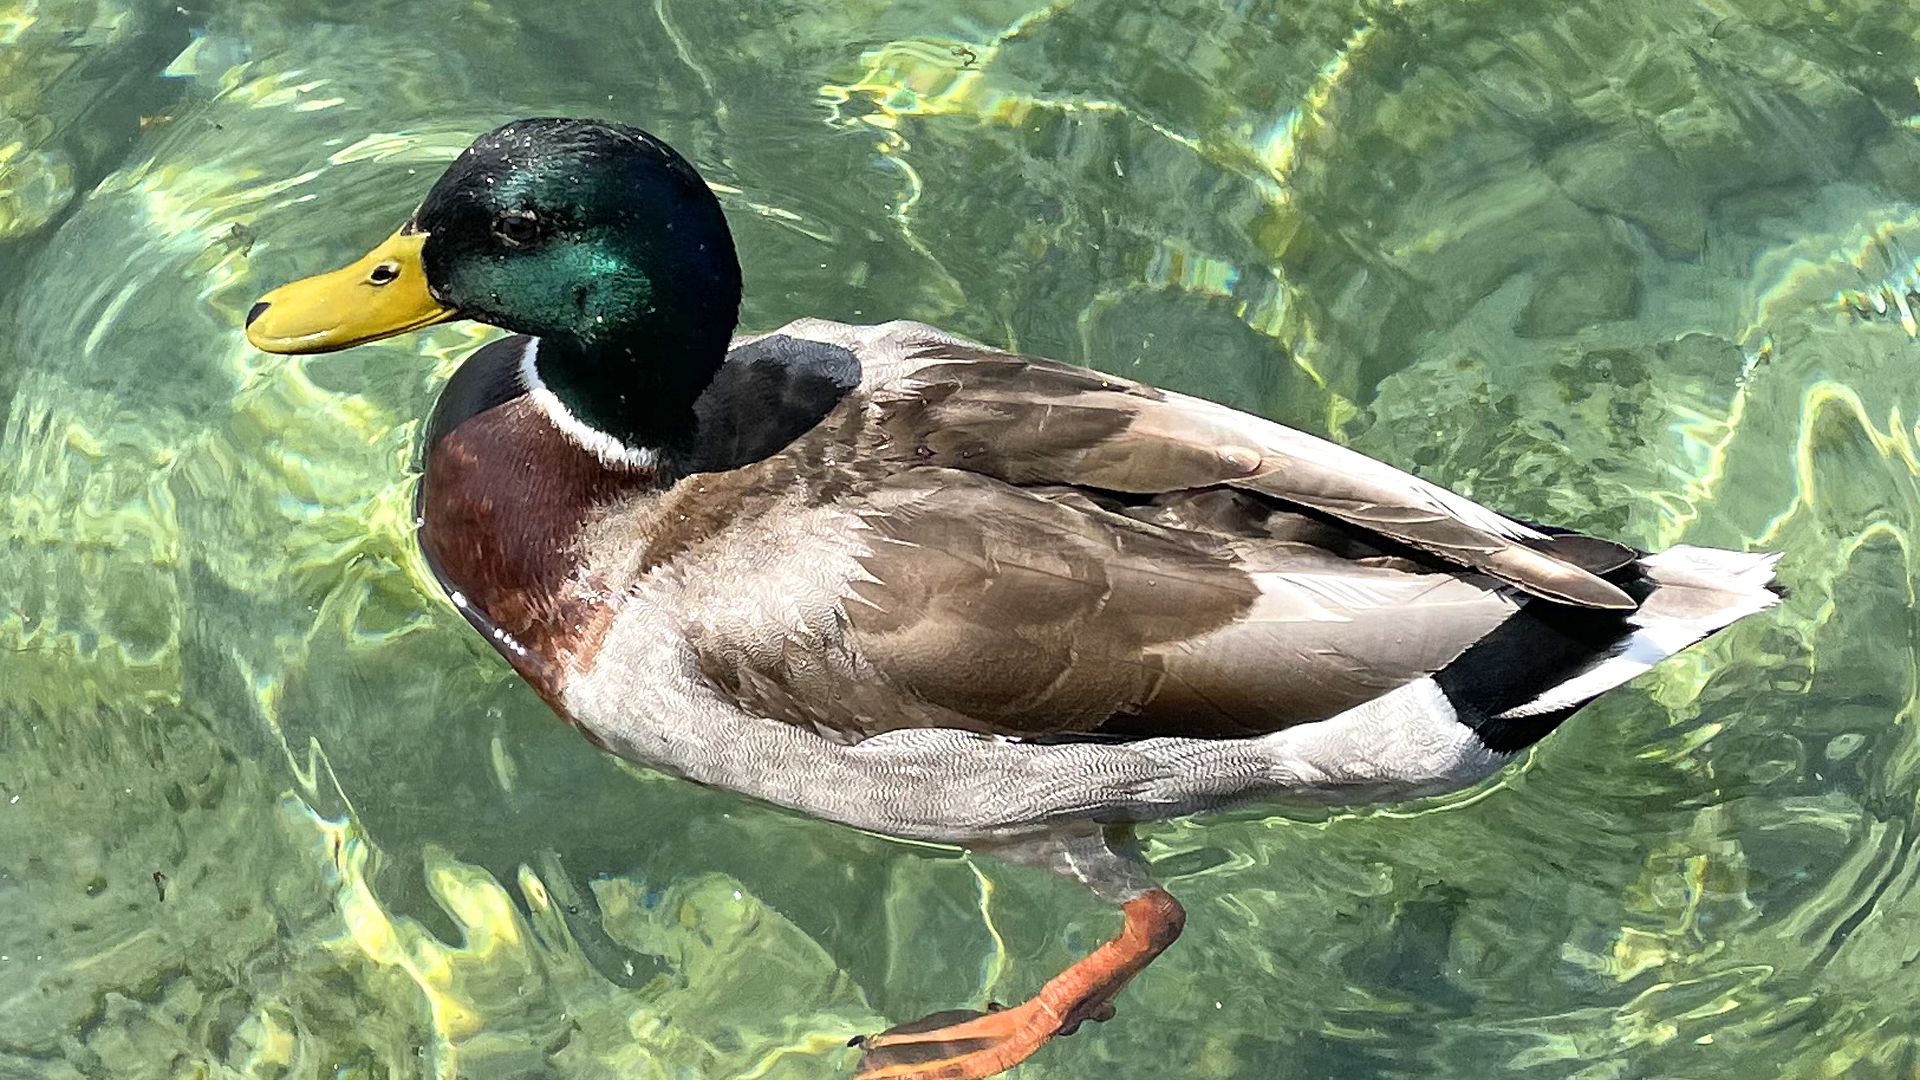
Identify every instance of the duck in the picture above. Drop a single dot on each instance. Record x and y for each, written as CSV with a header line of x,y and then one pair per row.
x,y
900,580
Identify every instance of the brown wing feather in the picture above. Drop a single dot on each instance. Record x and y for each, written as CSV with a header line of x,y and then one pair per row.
x,y
1037,422
1030,616
1042,611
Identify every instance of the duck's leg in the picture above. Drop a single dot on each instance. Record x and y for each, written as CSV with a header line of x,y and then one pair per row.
x,y
966,1045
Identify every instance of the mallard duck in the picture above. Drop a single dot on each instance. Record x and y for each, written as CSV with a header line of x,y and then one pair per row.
x,y
904,581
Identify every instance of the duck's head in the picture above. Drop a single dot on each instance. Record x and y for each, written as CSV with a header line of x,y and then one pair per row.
x,y
555,228
596,238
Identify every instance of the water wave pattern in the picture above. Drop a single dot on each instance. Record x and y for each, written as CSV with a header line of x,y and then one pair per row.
x,y
268,809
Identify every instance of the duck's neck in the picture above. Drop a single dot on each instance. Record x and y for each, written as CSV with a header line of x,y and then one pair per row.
x,y
630,400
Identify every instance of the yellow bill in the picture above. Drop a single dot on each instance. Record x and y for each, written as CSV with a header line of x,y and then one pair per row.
x,y
383,294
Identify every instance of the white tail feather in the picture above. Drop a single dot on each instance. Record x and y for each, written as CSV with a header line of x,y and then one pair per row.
x,y
1696,591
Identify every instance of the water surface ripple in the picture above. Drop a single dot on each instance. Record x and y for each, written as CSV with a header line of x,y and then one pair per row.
x,y
268,808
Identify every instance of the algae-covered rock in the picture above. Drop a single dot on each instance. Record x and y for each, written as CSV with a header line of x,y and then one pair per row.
x,y
1565,151
75,78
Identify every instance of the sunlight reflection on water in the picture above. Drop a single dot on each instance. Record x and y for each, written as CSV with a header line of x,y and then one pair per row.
x,y
268,808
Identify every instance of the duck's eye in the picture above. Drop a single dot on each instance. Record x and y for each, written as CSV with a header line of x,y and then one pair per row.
x,y
517,229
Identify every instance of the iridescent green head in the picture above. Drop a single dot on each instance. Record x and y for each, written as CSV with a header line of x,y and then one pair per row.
x,y
578,229
596,238
566,229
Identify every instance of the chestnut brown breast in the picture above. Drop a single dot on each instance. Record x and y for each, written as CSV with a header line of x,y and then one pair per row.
x,y
502,503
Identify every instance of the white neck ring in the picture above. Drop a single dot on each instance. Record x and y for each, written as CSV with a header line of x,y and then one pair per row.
x,y
610,451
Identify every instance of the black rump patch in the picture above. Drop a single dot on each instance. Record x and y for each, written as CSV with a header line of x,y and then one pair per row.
x,y
1541,646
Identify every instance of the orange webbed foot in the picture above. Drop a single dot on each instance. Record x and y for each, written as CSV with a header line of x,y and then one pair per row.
x,y
963,1044
967,1045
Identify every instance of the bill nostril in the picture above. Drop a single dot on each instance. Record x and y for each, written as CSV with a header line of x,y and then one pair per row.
x,y
256,311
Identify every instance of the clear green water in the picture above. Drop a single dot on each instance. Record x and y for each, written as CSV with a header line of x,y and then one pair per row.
x,y
1616,264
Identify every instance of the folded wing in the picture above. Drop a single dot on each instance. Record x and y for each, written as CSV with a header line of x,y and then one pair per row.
x,y
1035,422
